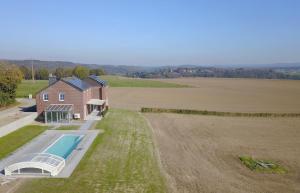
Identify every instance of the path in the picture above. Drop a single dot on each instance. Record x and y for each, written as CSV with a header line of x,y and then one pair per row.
x,y
16,117
22,110
90,120
87,125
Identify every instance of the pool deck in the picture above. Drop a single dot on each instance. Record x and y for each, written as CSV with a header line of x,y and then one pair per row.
x,y
40,143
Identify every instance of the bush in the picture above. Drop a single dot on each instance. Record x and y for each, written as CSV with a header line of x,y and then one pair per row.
x,y
10,77
5,99
103,113
262,165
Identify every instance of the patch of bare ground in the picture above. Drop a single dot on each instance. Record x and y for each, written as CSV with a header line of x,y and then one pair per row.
x,y
200,153
214,94
12,186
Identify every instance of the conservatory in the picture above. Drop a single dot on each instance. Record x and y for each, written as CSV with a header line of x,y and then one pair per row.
x,y
58,113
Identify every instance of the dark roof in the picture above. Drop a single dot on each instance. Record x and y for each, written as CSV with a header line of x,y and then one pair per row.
x,y
76,82
98,80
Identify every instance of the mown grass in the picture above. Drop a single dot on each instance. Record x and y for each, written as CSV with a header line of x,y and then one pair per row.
x,y
28,87
262,165
118,81
216,113
120,160
68,127
16,139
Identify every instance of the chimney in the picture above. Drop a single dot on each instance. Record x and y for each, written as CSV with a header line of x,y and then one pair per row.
x,y
52,79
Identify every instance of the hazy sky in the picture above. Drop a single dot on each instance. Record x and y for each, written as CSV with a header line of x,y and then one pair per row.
x,y
156,32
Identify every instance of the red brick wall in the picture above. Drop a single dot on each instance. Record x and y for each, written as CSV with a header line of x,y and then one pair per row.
x,y
72,96
103,93
95,93
98,92
87,95
97,89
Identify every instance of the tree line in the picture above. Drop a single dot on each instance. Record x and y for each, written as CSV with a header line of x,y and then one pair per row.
x,y
175,72
60,72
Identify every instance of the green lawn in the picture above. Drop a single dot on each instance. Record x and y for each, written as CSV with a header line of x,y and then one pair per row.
x,y
120,160
16,139
119,81
28,87
68,127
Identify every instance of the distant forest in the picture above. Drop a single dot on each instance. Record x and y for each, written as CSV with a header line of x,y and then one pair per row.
x,y
262,73
64,68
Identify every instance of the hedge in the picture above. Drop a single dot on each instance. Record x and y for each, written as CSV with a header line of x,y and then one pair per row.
x,y
216,113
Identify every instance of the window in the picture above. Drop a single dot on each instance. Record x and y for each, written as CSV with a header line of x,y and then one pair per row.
x,y
61,97
45,97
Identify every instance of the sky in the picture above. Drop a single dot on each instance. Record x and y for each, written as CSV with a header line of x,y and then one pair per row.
x,y
152,33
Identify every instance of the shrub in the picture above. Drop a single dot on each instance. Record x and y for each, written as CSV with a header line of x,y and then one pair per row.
x,y
104,112
262,165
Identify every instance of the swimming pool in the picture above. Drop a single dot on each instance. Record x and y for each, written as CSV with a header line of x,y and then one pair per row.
x,y
64,145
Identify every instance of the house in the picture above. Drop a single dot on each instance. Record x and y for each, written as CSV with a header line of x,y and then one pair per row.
x,y
68,98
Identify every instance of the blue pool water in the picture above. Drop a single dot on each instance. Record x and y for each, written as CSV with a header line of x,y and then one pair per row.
x,y
64,146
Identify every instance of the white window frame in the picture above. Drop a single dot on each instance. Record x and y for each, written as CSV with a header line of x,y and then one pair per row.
x,y
44,98
61,94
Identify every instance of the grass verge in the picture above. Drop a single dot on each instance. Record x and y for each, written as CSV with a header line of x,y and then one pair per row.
x,y
68,127
262,165
120,160
118,81
216,113
16,139
28,87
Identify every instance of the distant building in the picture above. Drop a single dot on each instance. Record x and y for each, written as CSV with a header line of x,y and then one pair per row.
x,y
69,98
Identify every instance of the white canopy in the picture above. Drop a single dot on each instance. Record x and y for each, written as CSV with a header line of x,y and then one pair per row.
x,y
47,163
96,102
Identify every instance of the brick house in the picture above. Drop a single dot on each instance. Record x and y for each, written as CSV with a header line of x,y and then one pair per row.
x,y
68,98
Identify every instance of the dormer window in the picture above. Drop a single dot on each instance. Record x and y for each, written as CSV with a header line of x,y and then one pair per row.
x,y
45,97
61,96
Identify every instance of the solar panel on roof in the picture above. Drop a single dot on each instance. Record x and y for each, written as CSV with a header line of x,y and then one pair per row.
x,y
77,83
97,79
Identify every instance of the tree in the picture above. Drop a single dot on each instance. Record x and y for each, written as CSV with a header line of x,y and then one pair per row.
x,y
59,72
10,77
81,72
42,74
68,72
97,72
26,72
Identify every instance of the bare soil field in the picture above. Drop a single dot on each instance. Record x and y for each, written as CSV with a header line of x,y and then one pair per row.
x,y
238,83
214,94
200,153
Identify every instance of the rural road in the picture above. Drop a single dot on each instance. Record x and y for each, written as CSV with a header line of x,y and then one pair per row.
x,y
17,112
